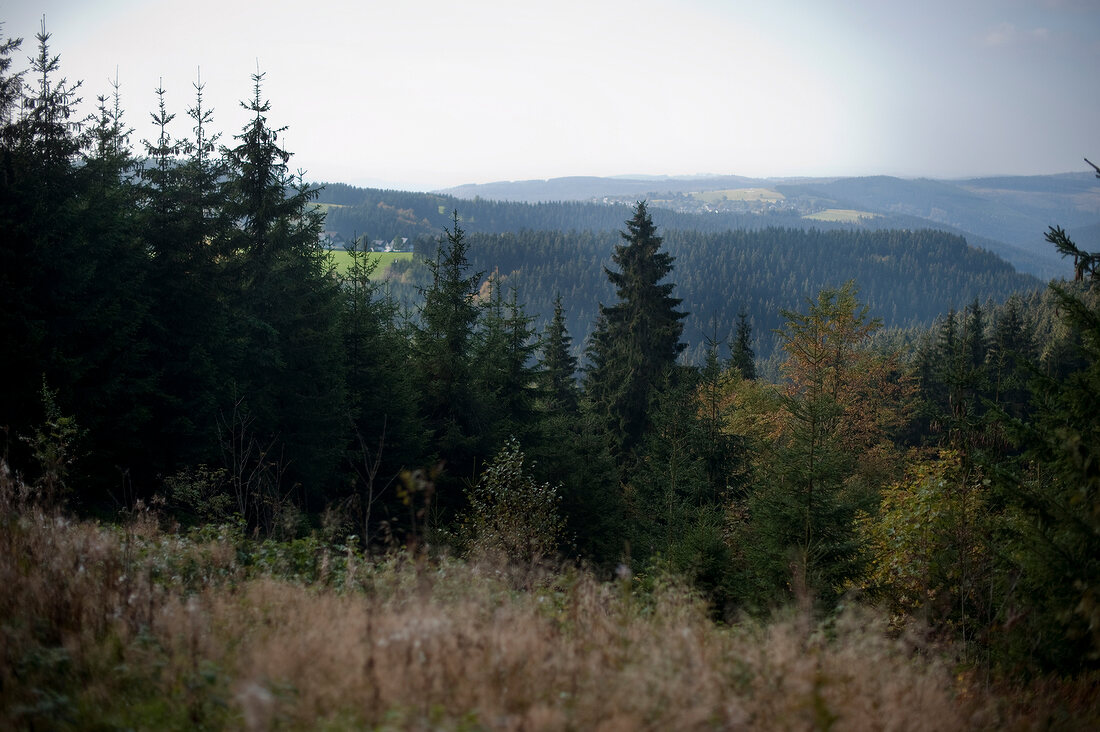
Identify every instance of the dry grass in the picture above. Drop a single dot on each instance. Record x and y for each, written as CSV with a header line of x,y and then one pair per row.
x,y
137,627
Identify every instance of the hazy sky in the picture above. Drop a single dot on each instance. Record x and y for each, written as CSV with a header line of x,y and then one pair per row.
x,y
430,94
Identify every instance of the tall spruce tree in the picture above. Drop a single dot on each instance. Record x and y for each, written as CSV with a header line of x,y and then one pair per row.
x,y
1057,546
505,377
182,224
742,357
288,360
72,268
637,340
39,263
442,355
559,365
386,434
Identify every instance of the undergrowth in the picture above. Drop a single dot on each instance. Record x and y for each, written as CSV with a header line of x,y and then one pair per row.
x,y
133,625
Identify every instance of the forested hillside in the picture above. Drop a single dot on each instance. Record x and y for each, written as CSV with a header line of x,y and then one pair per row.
x,y
907,278
241,487
1006,215
382,214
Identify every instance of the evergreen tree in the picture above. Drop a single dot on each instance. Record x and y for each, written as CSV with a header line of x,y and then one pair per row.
x,y
183,226
719,449
1012,347
288,360
559,365
637,340
743,358
442,340
387,435
1056,550
40,268
570,452
73,303
504,375
843,400
111,331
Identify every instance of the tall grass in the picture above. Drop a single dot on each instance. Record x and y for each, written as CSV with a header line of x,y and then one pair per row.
x,y
135,626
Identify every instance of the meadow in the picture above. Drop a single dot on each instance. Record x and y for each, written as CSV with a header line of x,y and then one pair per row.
x,y
739,194
342,260
142,624
841,215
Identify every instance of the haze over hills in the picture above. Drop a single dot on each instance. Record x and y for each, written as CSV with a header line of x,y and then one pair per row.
x,y
1005,215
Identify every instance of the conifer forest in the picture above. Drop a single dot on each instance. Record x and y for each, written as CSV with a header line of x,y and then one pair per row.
x,y
561,474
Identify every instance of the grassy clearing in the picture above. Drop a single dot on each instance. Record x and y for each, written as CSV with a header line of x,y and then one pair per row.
x,y
739,194
841,215
342,259
136,626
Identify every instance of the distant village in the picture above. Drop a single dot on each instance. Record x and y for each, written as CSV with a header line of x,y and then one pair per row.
x,y
334,240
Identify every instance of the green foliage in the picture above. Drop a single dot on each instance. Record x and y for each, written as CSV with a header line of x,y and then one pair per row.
x,y
930,545
442,356
1058,546
54,446
504,376
742,357
559,365
201,491
387,434
842,401
636,340
678,493
285,305
512,514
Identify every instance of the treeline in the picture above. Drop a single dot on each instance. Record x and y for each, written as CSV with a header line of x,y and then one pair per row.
x,y
908,278
176,331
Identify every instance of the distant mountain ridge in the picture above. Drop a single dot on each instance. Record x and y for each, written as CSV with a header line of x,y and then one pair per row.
x,y
586,188
1008,214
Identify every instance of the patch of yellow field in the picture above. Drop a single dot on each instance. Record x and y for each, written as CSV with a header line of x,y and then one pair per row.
x,y
739,194
342,259
841,215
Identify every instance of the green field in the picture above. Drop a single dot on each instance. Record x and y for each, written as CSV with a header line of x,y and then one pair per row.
x,y
384,259
739,194
841,215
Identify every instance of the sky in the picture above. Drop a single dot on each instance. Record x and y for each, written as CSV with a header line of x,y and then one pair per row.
x,y
424,94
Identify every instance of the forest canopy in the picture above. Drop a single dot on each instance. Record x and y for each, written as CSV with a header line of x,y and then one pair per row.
x,y
176,332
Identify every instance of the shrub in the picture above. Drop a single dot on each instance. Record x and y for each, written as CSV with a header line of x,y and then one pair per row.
x,y
512,514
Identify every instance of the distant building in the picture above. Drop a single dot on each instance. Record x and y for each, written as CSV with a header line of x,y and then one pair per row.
x,y
332,240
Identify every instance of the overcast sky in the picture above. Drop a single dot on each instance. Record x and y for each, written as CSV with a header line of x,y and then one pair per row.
x,y
426,94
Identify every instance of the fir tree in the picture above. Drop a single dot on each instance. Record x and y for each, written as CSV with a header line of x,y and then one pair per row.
x,y
742,357
504,376
637,340
1056,550
442,352
288,361
559,365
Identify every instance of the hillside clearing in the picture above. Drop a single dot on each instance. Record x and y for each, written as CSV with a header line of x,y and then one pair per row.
x,y
739,194
841,215
342,259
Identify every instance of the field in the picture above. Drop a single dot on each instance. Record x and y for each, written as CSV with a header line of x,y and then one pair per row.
x,y
739,194
384,259
841,215
140,625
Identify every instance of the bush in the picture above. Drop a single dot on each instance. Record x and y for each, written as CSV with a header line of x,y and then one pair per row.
x,y
511,514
